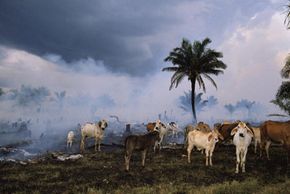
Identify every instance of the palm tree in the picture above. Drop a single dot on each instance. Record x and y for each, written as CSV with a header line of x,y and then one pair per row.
x,y
194,61
287,18
283,94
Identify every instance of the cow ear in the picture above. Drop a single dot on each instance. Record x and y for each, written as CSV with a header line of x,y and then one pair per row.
x,y
219,135
250,131
106,124
210,137
100,123
234,131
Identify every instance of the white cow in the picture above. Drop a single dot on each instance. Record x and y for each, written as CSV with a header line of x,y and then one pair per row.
x,y
173,128
95,130
202,140
70,138
242,139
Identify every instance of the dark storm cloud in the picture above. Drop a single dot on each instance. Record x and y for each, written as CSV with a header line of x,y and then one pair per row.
x,y
114,31
78,29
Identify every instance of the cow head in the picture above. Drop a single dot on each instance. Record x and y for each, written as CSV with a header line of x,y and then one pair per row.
x,y
158,125
103,124
218,134
203,126
213,136
242,130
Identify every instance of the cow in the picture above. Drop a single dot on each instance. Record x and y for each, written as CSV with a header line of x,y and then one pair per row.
x,y
161,128
204,140
154,126
257,138
173,128
201,126
70,138
242,137
277,132
225,129
95,130
141,143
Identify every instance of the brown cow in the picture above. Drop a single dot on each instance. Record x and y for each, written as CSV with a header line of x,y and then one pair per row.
x,y
141,143
226,128
277,132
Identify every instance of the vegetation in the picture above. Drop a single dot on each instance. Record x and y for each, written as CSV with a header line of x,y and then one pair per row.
x,y
200,103
282,99
165,172
194,61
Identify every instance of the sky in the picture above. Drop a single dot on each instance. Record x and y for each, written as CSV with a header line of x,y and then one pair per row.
x,y
108,55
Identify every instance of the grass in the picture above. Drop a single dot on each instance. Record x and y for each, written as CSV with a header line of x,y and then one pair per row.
x,y
165,172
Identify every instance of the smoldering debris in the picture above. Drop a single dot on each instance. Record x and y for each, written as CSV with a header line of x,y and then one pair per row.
x,y
64,157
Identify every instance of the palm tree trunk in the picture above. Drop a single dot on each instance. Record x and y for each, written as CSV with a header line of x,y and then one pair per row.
x,y
193,100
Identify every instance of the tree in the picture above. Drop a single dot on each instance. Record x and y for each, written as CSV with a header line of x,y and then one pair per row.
x,y
185,102
60,98
194,61
282,99
1,92
287,18
231,108
244,103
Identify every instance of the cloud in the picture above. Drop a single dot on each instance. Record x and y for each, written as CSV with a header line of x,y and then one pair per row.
x,y
111,31
128,36
93,90
111,52
254,54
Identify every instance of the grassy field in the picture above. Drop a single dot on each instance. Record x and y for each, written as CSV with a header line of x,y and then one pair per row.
x,y
165,172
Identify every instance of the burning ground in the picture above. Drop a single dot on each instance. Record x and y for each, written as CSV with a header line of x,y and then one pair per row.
x,y
165,172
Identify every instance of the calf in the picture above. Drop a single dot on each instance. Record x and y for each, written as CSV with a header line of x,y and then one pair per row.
x,y
70,138
201,126
242,139
203,140
141,143
95,130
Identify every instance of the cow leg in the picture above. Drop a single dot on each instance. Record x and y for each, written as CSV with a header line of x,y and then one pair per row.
x,y
206,156
127,160
155,146
143,157
160,142
262,147
267,149
238,160
244,160
256,143
189,149
210,157
96,144
82,148
99,145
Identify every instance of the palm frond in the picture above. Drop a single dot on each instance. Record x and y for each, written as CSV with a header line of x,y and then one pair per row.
x,y
277,115
200,82
285,72
170,69
210,79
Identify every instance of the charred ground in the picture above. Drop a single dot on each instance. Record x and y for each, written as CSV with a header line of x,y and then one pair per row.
x,y
165,171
